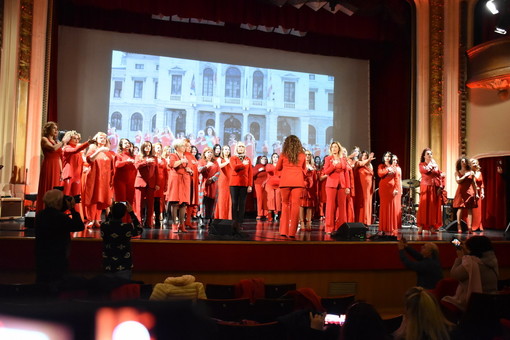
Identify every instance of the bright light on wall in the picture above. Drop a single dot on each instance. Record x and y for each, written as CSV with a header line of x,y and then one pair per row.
x,y
491,6
500,30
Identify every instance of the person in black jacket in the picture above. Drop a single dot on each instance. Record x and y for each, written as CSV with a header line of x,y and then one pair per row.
x,y
117,255
52,238
426,263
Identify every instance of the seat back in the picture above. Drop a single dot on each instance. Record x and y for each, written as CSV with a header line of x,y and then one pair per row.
x,y
277,290
268,310
337,304
266,331
220,291
227,309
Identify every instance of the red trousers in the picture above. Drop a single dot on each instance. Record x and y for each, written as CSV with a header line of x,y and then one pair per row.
x,y
144,198
336,208
291,202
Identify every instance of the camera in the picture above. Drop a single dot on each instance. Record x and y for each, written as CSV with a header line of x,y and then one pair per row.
x,y
334,319
456,242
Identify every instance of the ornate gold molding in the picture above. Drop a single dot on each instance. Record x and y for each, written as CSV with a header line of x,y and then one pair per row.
x,y
25,38
1,27
463,43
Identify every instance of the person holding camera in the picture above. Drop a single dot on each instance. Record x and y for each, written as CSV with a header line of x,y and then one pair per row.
x,y
117,254
52,238
426,263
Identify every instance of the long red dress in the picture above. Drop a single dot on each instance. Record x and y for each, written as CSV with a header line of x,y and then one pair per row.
x,y
351,197
50,175
477,212
209,186
387,213
124,178
398,197
259,183
97,193
366,178
179,182
145,186
224,204
429,208
465,196
72,168
310,196
274,198
191,210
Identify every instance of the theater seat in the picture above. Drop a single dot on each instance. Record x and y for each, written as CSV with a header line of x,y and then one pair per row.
x,y
337,304
226,309
250,331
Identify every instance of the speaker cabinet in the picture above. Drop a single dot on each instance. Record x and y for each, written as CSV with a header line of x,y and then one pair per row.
x,y
222,227
351,232
11,208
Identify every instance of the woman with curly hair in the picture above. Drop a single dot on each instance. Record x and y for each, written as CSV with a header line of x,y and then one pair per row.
x,y
292,164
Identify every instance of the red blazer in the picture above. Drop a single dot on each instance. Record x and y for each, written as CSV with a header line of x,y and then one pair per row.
x,y
72,161
336,173
430,175
241,175
147,176
292,175
273,177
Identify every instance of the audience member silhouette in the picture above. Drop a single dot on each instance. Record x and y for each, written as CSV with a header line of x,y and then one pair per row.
x,y
426,265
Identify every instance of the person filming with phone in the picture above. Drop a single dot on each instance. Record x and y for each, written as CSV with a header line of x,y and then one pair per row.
x,y
117,254
425,263
476,268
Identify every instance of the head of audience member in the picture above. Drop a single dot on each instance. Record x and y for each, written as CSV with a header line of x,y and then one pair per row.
x,y
118,210
50,129
423,317
54,199
292,147
363,322
430,250
478,245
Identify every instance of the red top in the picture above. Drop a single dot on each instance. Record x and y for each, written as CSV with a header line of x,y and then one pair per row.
x,y
336,173
259,174
73,161
292,175
242,174
147,176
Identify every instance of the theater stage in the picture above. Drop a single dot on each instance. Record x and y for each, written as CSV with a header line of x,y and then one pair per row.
x,y
370,268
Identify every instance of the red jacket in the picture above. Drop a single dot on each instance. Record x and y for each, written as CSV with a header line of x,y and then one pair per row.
x,y
292,175
336,173
241,175
147,176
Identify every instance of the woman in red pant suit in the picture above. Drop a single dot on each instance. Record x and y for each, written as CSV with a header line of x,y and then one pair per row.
x,y
335,167
146,183
477,212
292,164
97,194
273,195
366,176
125,173
159,195
429,215
51,167
241,182
224,204
179,184
388,190
259,181
210,171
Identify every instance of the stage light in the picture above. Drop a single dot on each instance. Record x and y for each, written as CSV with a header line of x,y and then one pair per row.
x,y
491,6
500,30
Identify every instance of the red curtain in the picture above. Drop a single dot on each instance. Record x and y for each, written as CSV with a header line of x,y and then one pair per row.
x,y
495,204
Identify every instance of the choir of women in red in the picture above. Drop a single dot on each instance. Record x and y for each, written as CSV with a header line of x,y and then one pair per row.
x,y
429,215
292,165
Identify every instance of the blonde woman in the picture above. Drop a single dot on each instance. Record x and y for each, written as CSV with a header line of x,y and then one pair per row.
x,y
337,189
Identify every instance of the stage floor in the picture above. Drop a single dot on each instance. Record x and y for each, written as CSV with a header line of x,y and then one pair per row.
x,y
252,230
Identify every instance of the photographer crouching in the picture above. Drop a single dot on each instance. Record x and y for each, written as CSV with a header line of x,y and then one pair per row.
x,y
52,238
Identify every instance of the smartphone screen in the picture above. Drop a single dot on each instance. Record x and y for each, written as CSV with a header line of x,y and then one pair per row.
x,y
456,243
334,319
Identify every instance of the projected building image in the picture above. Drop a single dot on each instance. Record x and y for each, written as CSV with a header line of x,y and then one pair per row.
x,y
159,99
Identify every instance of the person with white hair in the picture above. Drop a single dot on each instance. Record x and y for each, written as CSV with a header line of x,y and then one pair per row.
x,y
52,238
241,182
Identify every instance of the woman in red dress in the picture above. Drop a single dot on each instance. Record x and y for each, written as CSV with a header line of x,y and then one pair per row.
x,y
429,215
210,171
466,195
179,185
51,167
398,196
125,173
309,198
97,190
337,190
350,161
259,182
224,204
292,165
146,184
192,208
366,176
273,195
159,194
319,163
388,190
477,212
